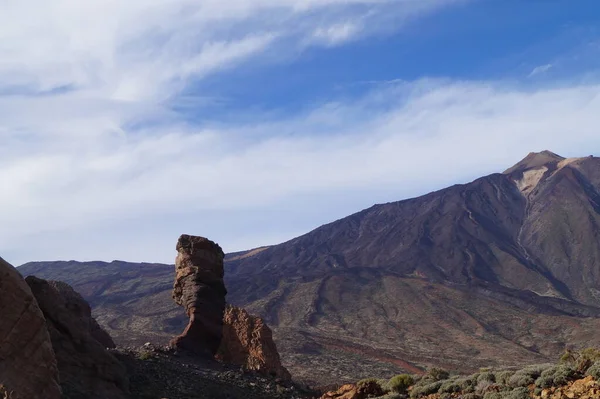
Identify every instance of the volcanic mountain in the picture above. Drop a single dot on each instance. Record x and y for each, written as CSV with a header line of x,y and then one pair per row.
x,y
504,270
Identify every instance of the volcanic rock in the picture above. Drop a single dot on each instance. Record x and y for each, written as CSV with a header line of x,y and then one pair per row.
x,y
87,369
79,307
248,341
28,367
200,289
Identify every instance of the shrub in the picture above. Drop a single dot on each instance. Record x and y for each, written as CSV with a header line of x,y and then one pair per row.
x,y
369,386
438,374
466,384
581,360
527,376
502,377
469,396
424,390
400,383
517,393
556,376
483,386
594,371
392,395
486,376
450,386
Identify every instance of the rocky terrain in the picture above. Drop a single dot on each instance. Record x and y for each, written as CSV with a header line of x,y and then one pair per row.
x,y
52,347
575,376
498,272
27,361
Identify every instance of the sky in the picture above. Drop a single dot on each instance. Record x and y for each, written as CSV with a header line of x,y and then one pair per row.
x,y
124,124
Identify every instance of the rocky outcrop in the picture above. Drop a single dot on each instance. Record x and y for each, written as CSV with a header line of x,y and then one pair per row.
x,y
82,310
229,333
248,341
364,390
586,388
347,391
200,289
87,369
28,368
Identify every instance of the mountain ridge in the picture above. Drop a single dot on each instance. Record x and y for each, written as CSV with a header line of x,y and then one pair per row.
x,y
506,265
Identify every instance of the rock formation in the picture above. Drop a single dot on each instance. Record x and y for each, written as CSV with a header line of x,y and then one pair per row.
x,y
228,333
248,341
82,310
28,368
200,289
87,369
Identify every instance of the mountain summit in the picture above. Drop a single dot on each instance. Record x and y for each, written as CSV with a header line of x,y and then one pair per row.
x,y
535,160
500,271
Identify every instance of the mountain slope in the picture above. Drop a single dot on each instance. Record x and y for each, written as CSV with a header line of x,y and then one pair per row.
x,y
503,270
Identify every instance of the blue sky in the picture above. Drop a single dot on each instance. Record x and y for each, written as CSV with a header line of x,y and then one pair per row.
x,y
125,124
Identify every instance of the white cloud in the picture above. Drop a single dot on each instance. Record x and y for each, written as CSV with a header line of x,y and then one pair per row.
x,y
540,70
336,34
89,142
431,134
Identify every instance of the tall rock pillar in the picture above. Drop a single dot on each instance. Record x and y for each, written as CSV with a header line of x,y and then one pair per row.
x,y
200,289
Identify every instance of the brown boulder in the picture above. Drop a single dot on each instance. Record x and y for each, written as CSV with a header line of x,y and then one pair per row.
x,y
248,341
362,390
200,289
28,368
348,391
87,369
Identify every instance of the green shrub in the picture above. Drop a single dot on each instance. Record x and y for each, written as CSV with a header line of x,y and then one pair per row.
x,y
594,371
450,386
466,384
556,376
424,390
517,393
486,376
527,376
581,360
392,395
400,383
438,374
502,377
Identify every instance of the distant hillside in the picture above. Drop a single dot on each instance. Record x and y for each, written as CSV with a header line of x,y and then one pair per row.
x,y
504,270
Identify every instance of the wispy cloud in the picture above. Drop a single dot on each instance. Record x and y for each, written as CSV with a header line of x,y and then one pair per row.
x,y
540,70
92,134
430,134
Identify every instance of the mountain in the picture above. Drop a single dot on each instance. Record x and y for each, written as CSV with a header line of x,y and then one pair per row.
x,y
502,271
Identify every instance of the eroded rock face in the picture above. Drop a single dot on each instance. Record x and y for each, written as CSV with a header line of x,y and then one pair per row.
x,y
248,341
81,309
86,368
28,368
200,289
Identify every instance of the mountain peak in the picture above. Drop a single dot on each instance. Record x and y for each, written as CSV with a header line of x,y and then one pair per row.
x,y
535,160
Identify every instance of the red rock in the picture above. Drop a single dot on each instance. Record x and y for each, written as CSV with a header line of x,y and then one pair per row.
x,y
248,342
348,391
28,367
200,289
86,368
